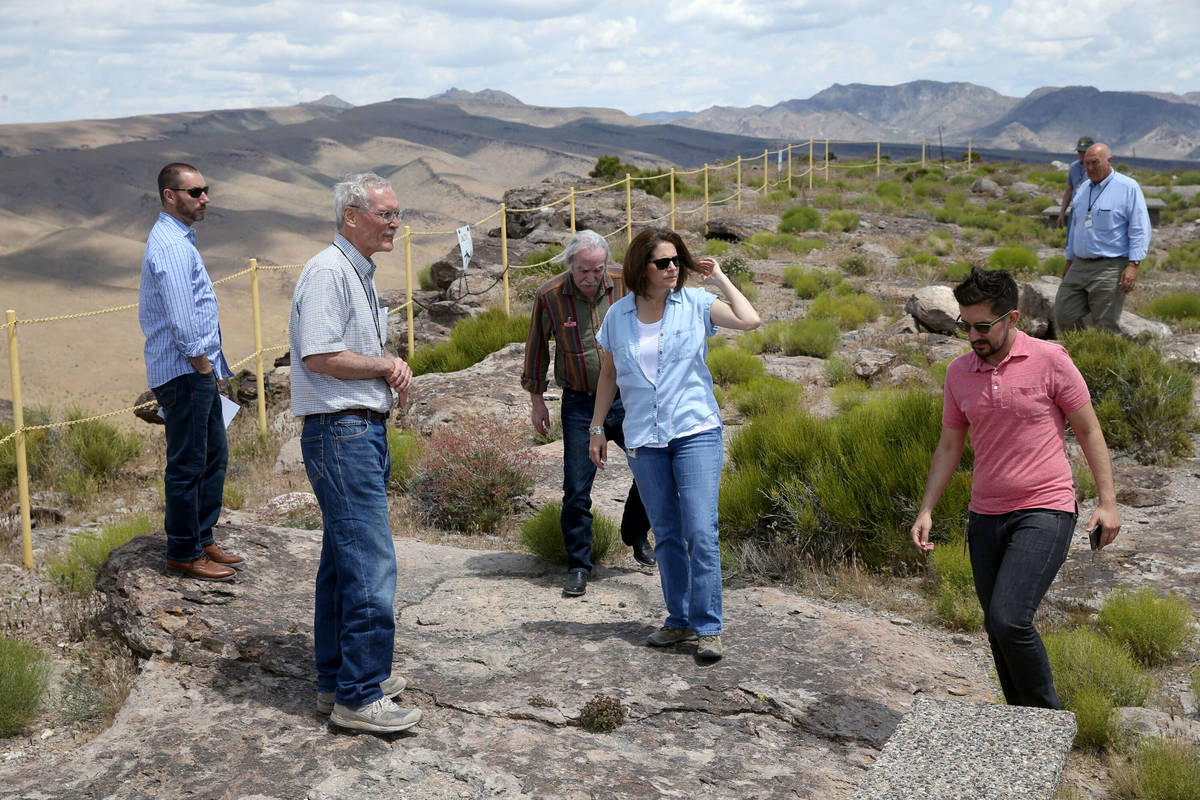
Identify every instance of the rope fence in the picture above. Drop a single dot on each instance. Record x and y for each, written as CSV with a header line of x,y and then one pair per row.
x,y
784,177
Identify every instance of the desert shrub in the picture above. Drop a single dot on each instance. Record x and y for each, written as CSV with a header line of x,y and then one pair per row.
x,y
716,248
1154,627
233,496
730,365
1143,402
837,370
1159,769
405,449
808,283
1085,481
847,487
855,265
956,272
99,448
764,394
425,278
470,474
541,262
1054,265
1184,257
8,455
542,534
762,340
24,676
75,569
982,221
745,284
1187,178
471,340
845,307
304,519
889,191
810,337
1095,718
1175,307
841,221
919,264
1196,683
800,218
601,714
1016,258
939,243
1083,658
954,599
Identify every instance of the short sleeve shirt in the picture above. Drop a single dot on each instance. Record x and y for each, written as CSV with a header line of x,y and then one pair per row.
x,y
1016,412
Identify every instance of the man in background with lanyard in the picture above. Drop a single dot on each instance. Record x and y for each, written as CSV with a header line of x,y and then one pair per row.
x,y
342,383
1107,239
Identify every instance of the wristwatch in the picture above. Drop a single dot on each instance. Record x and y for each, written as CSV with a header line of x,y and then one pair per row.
x,y
596,430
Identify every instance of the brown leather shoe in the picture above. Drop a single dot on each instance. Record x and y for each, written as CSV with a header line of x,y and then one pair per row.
x,y
202,569
218,556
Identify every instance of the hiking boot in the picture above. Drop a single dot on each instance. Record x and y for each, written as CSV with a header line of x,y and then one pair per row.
x,y
390,688
667,636
643,553
382,716
576,583
709,648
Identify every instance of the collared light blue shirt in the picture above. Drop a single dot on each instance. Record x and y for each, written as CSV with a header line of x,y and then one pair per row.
x,y
334,308
681,396
177,307
1120,223
1076,174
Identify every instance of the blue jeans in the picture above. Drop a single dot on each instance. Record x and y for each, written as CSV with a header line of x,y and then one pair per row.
x,y
1014,558
679,485
578,474
197,455
354,629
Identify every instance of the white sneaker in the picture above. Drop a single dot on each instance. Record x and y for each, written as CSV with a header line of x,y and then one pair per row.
x,y
382,716
391,687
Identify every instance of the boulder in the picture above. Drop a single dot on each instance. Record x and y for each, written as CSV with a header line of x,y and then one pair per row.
x,y
934,307
870,361
447,313
986,186
1185,348
1027,189
1146,722
1036,304
1132,326
149,413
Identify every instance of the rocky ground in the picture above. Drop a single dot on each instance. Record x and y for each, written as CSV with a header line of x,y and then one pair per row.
x,y
501,663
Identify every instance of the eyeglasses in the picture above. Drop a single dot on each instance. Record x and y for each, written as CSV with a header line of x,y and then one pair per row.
x,y
663,263
980,327
195,191
387,216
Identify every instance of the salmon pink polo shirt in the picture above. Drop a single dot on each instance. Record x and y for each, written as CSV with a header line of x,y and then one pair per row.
x,y
1016,412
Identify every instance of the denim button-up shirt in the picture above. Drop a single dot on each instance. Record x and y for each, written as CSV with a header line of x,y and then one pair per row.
x,y
681,396
1120,223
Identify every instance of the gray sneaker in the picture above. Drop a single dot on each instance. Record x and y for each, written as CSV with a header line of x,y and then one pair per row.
x,y
709,648
382,716
666,636
390,688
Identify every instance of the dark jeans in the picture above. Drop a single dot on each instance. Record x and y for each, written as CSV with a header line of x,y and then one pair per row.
x,y
1014,558
578,474
197,455
354,628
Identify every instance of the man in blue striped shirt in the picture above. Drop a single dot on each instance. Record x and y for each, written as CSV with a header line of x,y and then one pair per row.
x,y
1107,239
177,309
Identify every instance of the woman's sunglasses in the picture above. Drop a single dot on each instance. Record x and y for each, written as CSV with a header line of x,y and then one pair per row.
x,y
663,263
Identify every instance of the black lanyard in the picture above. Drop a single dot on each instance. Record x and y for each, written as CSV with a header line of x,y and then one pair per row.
x,y
1092,202
371,302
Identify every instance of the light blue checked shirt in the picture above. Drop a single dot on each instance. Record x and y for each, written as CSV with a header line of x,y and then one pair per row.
x,y
177,306
1109,220
335,308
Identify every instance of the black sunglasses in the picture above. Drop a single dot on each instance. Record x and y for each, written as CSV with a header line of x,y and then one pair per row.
x,y
195,191
663,263
980,327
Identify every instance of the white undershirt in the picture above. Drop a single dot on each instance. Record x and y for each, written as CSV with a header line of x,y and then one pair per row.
x,y
648,348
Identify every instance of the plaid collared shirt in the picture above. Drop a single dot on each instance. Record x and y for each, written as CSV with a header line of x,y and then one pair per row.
x,y
562,312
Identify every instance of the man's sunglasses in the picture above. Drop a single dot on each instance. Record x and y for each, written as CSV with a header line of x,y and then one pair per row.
x,y
195,191
980,327
663,263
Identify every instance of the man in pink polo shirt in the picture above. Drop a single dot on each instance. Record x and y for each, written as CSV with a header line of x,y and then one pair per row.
x,y
1014,393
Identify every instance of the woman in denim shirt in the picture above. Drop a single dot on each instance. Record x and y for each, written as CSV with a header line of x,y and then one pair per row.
x,y
654,344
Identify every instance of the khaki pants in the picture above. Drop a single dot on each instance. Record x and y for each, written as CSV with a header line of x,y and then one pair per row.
x,y
1091,285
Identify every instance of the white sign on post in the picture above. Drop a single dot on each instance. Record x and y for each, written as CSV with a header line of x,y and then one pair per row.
x,y
465,245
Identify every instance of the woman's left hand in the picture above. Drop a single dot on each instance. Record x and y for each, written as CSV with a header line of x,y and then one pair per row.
x,y
598,450
708,267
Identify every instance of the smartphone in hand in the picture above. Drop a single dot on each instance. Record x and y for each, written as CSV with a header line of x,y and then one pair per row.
x,y
1094,537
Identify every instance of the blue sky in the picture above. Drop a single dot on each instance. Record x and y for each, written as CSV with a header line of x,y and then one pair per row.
x,y
115,58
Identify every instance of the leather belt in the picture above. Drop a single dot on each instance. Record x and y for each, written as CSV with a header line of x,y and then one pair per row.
x,y
365,413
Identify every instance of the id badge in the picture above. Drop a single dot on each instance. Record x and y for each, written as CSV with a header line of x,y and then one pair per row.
x,y
1087,221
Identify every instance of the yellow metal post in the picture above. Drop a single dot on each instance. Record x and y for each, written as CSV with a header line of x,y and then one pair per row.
x,y
922,154
876,158
259,380
412,342
672,198
766,172
968,152
811,165
739,183
789,178
14,365
572,210
706,199
827,161
628,209
503,252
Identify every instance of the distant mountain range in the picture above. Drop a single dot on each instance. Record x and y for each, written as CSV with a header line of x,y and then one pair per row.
x,y
1140,124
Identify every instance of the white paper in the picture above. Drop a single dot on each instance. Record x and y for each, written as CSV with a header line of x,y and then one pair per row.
x,y
229,409
466,245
